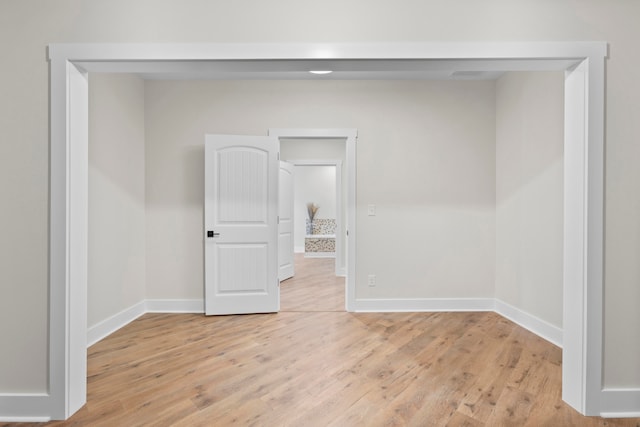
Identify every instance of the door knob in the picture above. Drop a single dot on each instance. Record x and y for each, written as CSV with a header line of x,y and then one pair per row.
x,y
211,233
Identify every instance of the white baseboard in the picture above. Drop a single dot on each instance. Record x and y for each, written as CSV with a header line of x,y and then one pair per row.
x,y
319,254
36,407
298,249
532,323
538,326
175,306
108,326
25,407
119,320
424,304
620,403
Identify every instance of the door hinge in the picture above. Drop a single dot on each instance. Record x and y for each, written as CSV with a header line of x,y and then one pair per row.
x,y
278,155
278,219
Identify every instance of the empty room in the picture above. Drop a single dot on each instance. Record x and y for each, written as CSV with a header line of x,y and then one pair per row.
x,y
485,246
466,178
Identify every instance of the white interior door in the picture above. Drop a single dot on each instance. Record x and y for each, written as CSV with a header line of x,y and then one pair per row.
x,y
241,229
285,226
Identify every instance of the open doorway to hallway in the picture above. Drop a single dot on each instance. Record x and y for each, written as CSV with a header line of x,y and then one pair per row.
x,y
320,263
315,286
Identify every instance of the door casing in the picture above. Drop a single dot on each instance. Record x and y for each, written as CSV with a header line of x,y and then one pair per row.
x,y
68,213
340,270
350,135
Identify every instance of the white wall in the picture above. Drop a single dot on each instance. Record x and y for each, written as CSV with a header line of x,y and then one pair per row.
x,y
116,254
27,27
425,157
175,195
529,196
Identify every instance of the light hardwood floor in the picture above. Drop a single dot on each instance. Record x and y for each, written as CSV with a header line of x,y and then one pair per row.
x,y
315,365
314,287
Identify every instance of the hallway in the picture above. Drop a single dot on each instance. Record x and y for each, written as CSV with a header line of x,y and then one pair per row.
x,y
314,287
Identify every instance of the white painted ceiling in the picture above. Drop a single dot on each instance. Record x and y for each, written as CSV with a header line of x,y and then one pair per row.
x,y
343,69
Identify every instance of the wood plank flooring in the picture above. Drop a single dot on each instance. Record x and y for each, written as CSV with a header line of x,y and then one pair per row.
x,y
314,286
326,368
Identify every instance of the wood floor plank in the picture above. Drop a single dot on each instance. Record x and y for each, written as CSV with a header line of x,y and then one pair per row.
x,y
316,365
512,408
315,287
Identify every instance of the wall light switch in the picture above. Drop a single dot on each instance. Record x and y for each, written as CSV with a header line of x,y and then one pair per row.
x,y
371,210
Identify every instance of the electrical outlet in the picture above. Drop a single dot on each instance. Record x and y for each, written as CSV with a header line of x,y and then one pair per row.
x,y
371,210
372,280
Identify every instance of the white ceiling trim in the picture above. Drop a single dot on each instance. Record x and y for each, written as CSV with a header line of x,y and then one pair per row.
x,y
439,61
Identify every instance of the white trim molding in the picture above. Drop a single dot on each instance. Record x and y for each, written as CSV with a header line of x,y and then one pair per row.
x,y
25,407
108,326
423,304
620,403
583,192
175,305
350,227
543,329
320,255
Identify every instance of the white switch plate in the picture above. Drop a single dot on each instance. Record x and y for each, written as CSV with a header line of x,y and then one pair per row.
x,y
371,210
372,280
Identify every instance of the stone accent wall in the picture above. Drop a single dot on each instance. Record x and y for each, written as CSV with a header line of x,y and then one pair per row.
x,y
323,226
319,245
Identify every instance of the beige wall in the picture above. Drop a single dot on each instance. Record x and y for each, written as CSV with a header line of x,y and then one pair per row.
x,y
116,257
425,157
529,196
26,27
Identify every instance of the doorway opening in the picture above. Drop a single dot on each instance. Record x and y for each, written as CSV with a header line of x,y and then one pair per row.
x,y
320,211
583,64
335,150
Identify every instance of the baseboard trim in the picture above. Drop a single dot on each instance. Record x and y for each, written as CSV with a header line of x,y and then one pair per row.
x,y
319,254
175,306
532,323
25,407
620,403
119,320
115,322
538,326
615,403
543,329
423,304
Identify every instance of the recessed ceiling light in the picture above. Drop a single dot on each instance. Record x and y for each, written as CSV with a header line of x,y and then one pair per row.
x,y
321,71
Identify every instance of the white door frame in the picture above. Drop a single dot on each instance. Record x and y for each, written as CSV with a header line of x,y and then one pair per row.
x,y
339,240
584,183
350,136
